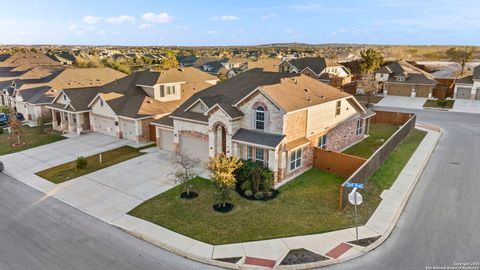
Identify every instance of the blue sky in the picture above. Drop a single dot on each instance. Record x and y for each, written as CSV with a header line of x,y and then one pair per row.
x,y
148,22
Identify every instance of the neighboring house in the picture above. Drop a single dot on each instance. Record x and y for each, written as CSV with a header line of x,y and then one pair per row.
x,y
272,118
319,68
31,98
400,78
468,87
65,58
213,66
124,108
265,64
186,60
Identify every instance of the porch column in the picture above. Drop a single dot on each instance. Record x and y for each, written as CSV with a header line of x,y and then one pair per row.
x,y
63,121
273,163
235,150
118,133
71,124
229,145
282,163
54,119
138,130
79,123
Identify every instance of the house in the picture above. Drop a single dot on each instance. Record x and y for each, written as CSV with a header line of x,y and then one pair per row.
x,y
265,64
31,98
400,78
125,107
318,68
468,87
65,58
270,117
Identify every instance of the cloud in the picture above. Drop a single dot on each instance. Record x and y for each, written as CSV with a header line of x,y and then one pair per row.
x,y
145,26
268,16
92,19
225,18
162,17
213,32
121,19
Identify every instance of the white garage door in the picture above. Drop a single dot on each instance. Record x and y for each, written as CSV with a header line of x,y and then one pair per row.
x,y
128,129
463,92
194,146
165,139
104,125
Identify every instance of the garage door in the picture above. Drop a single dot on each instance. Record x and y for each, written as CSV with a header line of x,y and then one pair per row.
x,y
463,92
104,125
194,146
165,139
422,91
128,129
400,90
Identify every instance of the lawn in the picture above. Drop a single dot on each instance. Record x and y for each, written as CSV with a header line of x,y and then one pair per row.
x,y
379,133
447,104
33,138
68,171
306,205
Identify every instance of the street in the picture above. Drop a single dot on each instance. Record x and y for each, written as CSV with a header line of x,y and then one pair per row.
x,y
439,226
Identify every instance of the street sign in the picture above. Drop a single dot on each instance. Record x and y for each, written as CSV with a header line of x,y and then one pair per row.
x,y
355,198
354,185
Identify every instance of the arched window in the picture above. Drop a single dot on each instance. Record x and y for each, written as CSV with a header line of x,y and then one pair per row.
x,y
260,118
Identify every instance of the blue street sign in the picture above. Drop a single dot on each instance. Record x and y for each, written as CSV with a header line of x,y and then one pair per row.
x,y
354,185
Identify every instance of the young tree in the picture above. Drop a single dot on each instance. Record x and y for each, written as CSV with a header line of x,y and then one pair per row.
x,y
16,127
370,60
223,168
461,55
185,170
369,87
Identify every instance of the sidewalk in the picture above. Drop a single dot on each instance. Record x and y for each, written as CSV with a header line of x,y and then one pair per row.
x,y
333,246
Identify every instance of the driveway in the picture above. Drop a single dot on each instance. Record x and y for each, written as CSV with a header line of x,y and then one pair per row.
x,y
402,102
466,106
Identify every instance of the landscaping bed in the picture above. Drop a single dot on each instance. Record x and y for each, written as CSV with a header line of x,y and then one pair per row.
x,y
31,137
305,205
441,104
68,171
379,134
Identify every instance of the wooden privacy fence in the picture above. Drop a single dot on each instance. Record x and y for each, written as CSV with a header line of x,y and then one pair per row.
x,y
363,173
336,163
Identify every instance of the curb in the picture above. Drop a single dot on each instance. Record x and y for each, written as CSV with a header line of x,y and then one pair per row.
x,y
364,250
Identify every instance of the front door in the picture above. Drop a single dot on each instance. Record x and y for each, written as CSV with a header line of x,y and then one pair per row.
x,y
58,117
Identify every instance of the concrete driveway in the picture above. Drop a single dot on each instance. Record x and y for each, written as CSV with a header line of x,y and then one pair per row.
x,y
466,106
402,102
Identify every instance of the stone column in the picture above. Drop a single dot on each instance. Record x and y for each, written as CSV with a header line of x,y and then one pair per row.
x,y
71,124
273,163
54,119
79,123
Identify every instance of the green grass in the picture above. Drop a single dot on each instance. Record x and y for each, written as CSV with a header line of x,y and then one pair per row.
x,y
33,138
306,205
434,104
379,133
68,171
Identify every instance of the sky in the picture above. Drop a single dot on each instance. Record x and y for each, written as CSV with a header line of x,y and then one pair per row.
x,y
245,22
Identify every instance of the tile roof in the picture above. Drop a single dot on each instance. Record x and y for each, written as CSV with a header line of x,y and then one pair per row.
x,y
258,137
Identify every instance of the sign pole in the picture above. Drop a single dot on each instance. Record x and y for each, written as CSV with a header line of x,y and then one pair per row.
x,y
356,219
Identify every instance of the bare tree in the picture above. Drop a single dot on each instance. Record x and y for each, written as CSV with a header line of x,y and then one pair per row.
x,y
461,55
369,86
185,170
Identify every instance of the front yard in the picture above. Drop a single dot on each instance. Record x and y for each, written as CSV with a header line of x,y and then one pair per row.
x,y
306,205
68,171
443,104
31,136
379,133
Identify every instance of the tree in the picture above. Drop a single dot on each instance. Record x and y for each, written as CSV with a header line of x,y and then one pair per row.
x,y
223,168
185,170
170,61
370,61
369,86
16,127
461,55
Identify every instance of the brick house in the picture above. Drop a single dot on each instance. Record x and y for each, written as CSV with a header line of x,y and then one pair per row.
x,y
400,78
272,118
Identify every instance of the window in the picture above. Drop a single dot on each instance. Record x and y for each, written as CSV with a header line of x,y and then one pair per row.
x,y
259,156
322,142
338,108
359,128
260,118
249,153
295,159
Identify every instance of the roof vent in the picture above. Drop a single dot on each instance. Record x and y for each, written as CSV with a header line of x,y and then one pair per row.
x,y
149,101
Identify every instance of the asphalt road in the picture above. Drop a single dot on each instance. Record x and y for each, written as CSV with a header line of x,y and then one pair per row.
x,y
38,233
440,225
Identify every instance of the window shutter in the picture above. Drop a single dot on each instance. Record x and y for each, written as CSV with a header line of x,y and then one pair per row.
x,y
267,121
162,90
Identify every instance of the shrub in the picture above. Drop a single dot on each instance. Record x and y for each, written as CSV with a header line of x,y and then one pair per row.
x,y
255,177
247,185
248,193
81,163
441,102
1,130
258,195
4,109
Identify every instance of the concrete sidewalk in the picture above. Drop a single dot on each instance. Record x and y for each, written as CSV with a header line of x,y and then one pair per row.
x,y
334,245
466,106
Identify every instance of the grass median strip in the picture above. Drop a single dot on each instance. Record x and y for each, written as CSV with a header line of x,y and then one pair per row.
x,y
68,171
306,205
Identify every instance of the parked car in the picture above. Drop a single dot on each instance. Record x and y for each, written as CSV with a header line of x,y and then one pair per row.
x,y
3,119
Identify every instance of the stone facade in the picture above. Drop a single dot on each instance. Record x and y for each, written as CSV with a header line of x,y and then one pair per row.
x,y
274,123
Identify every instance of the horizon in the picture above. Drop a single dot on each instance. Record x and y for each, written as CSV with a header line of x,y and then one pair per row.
x,y
207,24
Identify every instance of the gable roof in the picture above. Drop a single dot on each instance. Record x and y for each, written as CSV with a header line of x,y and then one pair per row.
x,y
316,64
28,58
413,74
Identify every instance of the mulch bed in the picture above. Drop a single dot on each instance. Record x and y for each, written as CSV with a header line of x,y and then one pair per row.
x,y
299,256
229,260
188,196
223,209
365,241
252,198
